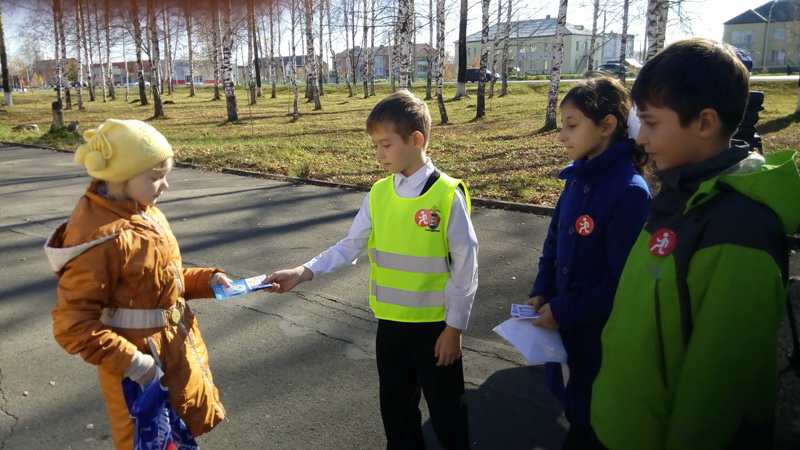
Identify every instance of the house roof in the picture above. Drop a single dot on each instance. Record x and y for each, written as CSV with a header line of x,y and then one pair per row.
x,y
782,11
532,29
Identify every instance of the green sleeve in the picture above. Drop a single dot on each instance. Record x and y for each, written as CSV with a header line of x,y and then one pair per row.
x,y
729,370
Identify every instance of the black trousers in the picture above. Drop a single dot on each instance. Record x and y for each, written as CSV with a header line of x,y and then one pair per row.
x,y
406,366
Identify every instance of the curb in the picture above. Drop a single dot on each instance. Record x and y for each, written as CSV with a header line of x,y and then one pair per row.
x,y
794,240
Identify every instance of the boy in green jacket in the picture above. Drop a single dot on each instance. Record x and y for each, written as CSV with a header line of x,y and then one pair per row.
x,y
690,349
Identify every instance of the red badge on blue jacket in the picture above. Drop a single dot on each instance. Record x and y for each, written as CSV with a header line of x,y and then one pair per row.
x,y
662,242
584,225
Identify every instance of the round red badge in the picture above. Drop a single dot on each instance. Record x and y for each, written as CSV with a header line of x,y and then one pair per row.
x,y
662,242
584,225
423,217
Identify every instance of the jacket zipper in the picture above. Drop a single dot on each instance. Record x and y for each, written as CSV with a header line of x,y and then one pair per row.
x,y
662,359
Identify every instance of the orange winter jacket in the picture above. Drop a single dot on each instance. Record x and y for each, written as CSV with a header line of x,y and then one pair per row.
x,y
113,254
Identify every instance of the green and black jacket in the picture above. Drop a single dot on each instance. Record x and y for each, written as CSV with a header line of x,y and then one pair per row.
x,y
690,349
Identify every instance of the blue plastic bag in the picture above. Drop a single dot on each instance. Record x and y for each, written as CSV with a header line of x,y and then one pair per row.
x,y
156,425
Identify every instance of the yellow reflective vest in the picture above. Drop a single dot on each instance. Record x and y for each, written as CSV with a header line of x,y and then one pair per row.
x,y
408,250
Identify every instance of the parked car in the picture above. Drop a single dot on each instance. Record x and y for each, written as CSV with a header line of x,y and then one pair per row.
x,y
474,75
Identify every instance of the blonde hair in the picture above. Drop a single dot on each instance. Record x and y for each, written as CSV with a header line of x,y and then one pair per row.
x,y
116,191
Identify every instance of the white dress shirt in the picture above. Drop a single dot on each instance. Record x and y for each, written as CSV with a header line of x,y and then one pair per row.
x,y
463,282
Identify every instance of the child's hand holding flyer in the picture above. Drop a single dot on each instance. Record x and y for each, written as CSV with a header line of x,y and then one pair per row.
x,y
240,287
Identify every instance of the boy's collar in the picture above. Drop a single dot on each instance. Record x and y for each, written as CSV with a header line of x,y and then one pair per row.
x,y
418,178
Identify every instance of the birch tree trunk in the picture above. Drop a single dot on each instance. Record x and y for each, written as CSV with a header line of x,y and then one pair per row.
x,y
7,98
79,88
404,38
227,63
272,49
365,67
555,74
440,55
103,78
57,59
797,110
137,38
320,62
87,53
250,59
354,57
109,70
311,62
496,46
127,72
481,108
64,71
348,50
429,74
461,89
187,12
295,103
330,40
280,58
155,79
393,54
663,12
593,41
372,54
215,42
506,42
624,41
652,28
256,53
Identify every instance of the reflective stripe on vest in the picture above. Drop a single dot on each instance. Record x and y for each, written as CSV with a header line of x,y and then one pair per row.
x,y
409,259
406,263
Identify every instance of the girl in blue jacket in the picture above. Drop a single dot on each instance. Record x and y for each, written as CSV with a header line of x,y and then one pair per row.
x,y
600,213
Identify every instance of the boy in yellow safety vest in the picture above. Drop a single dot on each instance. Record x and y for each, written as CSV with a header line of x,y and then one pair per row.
x,y
423,254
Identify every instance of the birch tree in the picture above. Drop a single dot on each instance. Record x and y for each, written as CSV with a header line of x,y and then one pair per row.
x,y
440,55
109,70
187,12
365,67
168,75
593,39
7,99
657,11
62,36
311,62
87,47
250,58
256,53
555,73
354,57
429,56
372,52
461,89
215,42
481,108
404,38
137,41
506,44
320,62
496,46
79,60
623,41
103,78
293,44
348,50
155,79
59,68
227,63
272,48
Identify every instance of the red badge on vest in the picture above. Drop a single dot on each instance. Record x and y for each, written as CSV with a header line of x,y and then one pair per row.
x,y
584,225
662,242
428,218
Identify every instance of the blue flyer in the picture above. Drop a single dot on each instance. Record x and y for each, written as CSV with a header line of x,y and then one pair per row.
x,y
240,287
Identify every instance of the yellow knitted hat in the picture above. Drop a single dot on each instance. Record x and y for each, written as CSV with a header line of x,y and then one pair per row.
x,y
118,150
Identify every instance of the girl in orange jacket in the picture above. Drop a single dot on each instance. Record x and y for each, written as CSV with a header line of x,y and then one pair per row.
x,y
122,290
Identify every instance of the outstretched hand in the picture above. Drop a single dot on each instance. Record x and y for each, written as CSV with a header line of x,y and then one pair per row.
x,y
286,280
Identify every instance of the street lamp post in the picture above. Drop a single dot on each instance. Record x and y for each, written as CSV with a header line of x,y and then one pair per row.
x,y
766,35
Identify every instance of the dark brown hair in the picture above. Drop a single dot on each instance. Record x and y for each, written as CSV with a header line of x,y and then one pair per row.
x,y
404,113
692,75
600,96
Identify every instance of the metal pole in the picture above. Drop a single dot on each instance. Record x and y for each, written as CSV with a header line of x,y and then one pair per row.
x,y
766,35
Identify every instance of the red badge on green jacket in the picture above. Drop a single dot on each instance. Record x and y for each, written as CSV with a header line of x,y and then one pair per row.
x,y
584,225
662,242
423,217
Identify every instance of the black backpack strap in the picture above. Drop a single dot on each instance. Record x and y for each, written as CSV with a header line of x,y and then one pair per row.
x,y
431,179
435,177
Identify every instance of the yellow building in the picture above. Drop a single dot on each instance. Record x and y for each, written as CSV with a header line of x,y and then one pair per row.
x,y
531,47
770,33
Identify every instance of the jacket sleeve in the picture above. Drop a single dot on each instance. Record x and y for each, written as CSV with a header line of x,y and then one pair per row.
x,y
196,283
594,302
545,283
84,289
732,352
